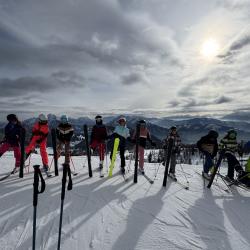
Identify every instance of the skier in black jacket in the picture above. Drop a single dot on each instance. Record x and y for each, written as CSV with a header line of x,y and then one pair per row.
x,y
208,145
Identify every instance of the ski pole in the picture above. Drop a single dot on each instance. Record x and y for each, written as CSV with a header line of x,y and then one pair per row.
x,y
156,171
22,160
167,160
53,136
138,126
85,129
221,156
184,173
66,171
36,191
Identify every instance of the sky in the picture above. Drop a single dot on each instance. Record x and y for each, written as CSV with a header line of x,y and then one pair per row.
x,y
79,57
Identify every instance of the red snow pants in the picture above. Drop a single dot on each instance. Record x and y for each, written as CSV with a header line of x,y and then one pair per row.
x,y
35,139
17,152
101,148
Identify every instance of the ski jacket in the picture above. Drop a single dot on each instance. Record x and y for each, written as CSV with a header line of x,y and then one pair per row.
x,y
229,145
208,144
122,131
12,133
40,130
176,141
99,133
143,137
64,132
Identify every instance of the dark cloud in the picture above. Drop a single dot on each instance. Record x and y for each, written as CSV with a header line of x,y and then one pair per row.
x,y
223,99
133,78
26,85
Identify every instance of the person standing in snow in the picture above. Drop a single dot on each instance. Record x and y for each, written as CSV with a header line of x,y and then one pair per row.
x,y
208,145
98,137
230,147
12,138
40,133
173,135
64,133
122,132
144,135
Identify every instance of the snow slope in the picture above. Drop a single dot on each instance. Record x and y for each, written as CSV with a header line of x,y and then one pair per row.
x,y
108,213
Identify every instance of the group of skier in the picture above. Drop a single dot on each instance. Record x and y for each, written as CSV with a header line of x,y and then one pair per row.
x,y
227,148
208,144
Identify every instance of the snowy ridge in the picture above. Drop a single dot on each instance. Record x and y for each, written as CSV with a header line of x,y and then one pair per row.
x,y
108,213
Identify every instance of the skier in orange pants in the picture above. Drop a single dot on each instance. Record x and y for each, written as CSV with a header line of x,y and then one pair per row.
x,y
39,136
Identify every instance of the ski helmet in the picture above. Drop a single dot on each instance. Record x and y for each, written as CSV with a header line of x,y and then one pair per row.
x,y
142,122
232,133
122,119
42,118
64,119
12,117
213,134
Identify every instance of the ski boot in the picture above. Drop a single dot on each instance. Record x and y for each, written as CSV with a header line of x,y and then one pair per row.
x,y
243,178
172,175
141,170
123,170
206,176
46,170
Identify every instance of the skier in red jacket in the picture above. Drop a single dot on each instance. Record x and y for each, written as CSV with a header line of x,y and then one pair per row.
x,y
40,132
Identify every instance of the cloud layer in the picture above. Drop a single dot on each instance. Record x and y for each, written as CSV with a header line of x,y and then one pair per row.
x,y
124,55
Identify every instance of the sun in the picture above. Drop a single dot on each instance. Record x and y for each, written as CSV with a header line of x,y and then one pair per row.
x,y
210,49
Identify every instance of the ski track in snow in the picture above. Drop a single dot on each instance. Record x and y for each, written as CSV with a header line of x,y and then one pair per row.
x,y
111,214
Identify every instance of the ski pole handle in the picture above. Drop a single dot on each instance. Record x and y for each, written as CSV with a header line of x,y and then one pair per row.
x,y
35,185
37,176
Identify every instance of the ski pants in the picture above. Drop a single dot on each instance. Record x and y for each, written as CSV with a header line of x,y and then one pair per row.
x,y
17,152
233,163
172,163
67,151
35,140
122,155
101,148
208,162
141,156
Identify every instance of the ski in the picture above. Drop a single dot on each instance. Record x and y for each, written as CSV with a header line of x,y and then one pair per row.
x,y
178,182
86,135
53,136
9,174
147,178
168,153
114,152
125,177
215,183
234,183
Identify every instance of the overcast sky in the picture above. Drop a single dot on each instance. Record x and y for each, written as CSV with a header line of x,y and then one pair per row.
x,y
117,56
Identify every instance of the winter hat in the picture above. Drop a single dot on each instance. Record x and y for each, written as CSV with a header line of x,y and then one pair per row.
x,y
232,133
64,119
98,119
122,119
213,133
173,128
12,117
42,118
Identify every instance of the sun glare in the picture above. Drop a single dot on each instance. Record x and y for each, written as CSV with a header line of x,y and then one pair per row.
x,y
210,49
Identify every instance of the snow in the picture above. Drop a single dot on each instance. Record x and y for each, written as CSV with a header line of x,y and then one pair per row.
x,y
108,213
